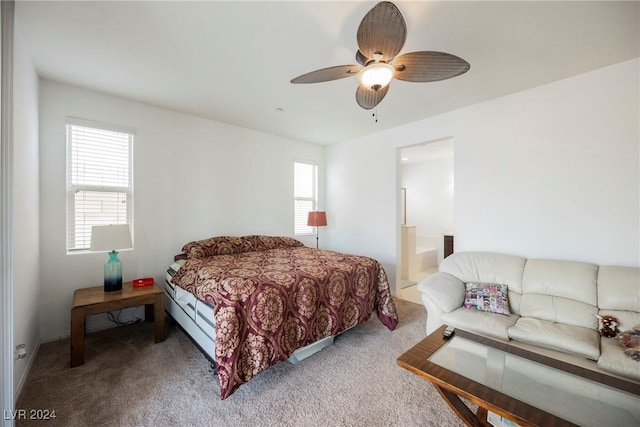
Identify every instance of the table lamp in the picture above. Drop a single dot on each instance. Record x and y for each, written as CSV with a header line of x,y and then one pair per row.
x,y
111,238
317,219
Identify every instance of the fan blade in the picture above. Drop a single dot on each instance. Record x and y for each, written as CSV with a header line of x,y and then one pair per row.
x,y
382,31
428,66
369,98
327,74
362,60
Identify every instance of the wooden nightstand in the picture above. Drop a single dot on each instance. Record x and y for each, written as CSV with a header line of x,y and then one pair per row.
x,y
95,300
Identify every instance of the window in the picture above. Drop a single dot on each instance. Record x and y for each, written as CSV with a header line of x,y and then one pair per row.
x,y
99,179
305,195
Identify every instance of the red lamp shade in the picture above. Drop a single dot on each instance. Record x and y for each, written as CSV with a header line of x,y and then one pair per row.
x,y
317,219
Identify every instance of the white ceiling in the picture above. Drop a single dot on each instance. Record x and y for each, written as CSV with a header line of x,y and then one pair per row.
x,y
232,61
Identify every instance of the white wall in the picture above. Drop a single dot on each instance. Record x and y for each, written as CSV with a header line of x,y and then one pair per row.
x,y
26,255
193,179
548,172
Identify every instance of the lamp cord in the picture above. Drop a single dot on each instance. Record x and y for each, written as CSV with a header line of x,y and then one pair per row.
x,y
116,319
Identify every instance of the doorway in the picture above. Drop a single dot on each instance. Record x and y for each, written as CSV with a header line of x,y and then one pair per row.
x,y
426,212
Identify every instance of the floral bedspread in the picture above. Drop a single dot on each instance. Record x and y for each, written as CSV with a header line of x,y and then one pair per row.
x,y
269,303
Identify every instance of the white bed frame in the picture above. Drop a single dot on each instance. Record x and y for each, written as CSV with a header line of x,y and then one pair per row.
x,y
196,318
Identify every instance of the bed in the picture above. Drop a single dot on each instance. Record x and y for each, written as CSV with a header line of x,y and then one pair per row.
x,y
254,301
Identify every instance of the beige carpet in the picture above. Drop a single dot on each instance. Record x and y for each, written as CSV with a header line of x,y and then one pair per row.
x,y
128,380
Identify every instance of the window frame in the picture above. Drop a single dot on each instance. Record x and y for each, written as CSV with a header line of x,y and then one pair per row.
x,y
72,188
313,199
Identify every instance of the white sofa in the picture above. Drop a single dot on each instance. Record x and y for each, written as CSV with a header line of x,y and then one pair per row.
x,y
553,305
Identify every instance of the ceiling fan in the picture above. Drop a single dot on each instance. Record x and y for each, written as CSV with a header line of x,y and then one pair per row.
x,y
381,36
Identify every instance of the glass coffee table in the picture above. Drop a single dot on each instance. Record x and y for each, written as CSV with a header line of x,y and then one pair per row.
x,y
525,388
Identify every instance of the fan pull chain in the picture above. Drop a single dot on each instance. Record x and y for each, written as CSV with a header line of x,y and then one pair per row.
x,y
375,114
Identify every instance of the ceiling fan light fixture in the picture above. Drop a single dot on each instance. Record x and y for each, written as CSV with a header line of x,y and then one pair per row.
x,y
376,76
381,36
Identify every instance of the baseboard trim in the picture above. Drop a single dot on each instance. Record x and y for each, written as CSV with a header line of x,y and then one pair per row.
x,y
66,334
99,322
27,369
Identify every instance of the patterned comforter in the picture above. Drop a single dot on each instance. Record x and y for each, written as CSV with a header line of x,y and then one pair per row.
x,y
268,303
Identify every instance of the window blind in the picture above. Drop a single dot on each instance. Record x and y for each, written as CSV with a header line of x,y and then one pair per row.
x,y
99,180
305,191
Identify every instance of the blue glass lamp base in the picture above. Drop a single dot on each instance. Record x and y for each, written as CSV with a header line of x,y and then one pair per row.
x,y
113,273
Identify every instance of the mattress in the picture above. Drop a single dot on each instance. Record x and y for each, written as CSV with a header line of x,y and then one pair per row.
x,y
197,319
195,316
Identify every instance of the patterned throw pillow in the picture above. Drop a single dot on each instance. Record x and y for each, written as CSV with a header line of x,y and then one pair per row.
x,y
225,245
263,243
487,297
630,341
222,245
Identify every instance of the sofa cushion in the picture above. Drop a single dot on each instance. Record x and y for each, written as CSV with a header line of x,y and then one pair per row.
x,y
560,291
487,267
479,322
619,288
489,297
613,359
559,310
584,342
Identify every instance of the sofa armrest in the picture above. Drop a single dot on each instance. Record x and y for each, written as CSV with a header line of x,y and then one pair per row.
x,y
441,293
446,291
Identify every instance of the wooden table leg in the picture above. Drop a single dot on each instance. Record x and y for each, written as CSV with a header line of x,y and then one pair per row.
x,y
77,336
158,308
482,413
462,411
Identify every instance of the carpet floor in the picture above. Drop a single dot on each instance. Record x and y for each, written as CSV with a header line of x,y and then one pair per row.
x,y
127,380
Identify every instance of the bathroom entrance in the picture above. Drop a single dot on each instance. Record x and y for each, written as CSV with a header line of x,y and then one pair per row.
x,y
426,211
